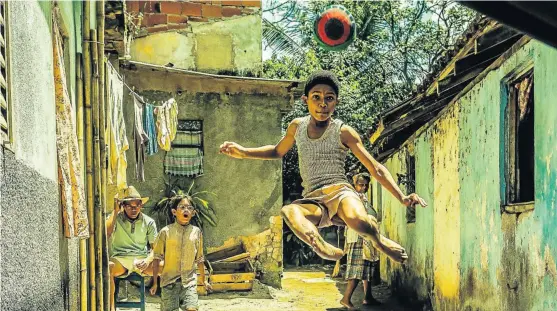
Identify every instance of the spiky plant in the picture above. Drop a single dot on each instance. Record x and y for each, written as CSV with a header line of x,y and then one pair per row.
x,y
205,213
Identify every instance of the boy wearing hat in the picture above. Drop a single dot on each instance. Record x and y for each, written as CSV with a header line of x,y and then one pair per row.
x,y
129,232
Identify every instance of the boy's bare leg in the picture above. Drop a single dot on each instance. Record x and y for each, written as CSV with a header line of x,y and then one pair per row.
x,y
350,287
352,212
116,269
302,219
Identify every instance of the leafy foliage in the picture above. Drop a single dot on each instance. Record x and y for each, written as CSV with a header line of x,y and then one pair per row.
x,y
205,213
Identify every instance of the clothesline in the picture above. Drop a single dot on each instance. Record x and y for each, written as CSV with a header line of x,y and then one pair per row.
x,y
129,88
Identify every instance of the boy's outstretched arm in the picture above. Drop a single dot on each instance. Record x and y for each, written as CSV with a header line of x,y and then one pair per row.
x,y
352,140
268,152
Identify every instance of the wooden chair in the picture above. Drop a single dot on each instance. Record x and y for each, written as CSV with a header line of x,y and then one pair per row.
x,y
131,304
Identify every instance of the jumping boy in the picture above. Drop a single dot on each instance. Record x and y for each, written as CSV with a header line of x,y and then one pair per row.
x,y
329,198
180,246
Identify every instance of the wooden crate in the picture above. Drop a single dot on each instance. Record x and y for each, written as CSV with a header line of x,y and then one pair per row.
x,y
231,253
231,276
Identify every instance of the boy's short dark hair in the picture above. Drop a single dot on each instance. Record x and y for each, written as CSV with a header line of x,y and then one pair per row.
x,y
175,201
322,77
364,176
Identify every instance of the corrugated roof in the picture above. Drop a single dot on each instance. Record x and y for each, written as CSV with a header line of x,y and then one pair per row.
x,y
483,46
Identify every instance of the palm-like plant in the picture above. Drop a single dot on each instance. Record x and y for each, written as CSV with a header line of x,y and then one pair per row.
x,y
205,213
282,20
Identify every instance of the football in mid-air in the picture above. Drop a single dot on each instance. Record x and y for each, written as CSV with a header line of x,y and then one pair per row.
x,y
335,28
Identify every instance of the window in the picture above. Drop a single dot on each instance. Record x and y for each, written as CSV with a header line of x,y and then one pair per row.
x,y
519,162
5,137
185,157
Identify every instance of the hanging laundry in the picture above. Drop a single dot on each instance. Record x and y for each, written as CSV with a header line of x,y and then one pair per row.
x,y
140,138
186,156
173,118
184,162
167,123
72,192
118,141
149,127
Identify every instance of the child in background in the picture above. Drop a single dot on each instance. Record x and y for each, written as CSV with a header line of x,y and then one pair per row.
x,y
180,246
362,261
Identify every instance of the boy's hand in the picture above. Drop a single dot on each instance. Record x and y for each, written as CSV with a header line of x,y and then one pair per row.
x,y
232,149
154,288
142,264
208,287
413,199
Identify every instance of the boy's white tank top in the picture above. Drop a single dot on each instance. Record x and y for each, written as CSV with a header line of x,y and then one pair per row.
x,y
321,160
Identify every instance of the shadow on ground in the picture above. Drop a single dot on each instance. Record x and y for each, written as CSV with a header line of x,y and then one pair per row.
x,y
308,289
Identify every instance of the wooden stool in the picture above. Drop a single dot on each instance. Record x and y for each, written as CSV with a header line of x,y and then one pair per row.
x,y
131,304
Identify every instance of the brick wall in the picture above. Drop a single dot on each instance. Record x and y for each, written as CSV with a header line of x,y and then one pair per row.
x,y
265,249
176,15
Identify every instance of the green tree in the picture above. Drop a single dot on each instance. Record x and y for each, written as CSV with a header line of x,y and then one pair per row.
x,y
397,45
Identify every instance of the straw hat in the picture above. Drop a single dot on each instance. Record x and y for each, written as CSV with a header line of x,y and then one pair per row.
x,y
129,194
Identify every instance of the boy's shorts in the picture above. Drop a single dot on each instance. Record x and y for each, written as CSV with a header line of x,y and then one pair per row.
x,y
127,262
328,198
176,296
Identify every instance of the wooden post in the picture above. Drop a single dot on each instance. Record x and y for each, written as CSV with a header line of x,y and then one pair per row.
x,y
89,150
98,220
82,243
104,157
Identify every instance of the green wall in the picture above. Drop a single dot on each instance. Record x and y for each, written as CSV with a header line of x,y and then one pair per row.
x,y
464,253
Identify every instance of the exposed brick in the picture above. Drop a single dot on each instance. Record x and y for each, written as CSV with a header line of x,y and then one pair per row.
x,y
147,6
248,11
177,26
191,9
198,19
154,19
170,7
211,11
254,3
202,1
230,11
232,2
132,6
216,2
158,28
177,19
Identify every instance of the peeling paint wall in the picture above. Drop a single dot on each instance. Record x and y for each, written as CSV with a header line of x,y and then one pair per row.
x,y
464,253
228,46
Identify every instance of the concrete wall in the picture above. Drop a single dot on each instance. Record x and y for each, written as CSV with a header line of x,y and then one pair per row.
x,y
464,253
248,192
224,37
38,266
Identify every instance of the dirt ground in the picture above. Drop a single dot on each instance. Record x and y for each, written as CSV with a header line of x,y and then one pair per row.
x,y
303,290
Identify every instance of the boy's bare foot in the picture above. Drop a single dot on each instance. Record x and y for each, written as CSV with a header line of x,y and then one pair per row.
x,y
347,304
393,250
324,249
